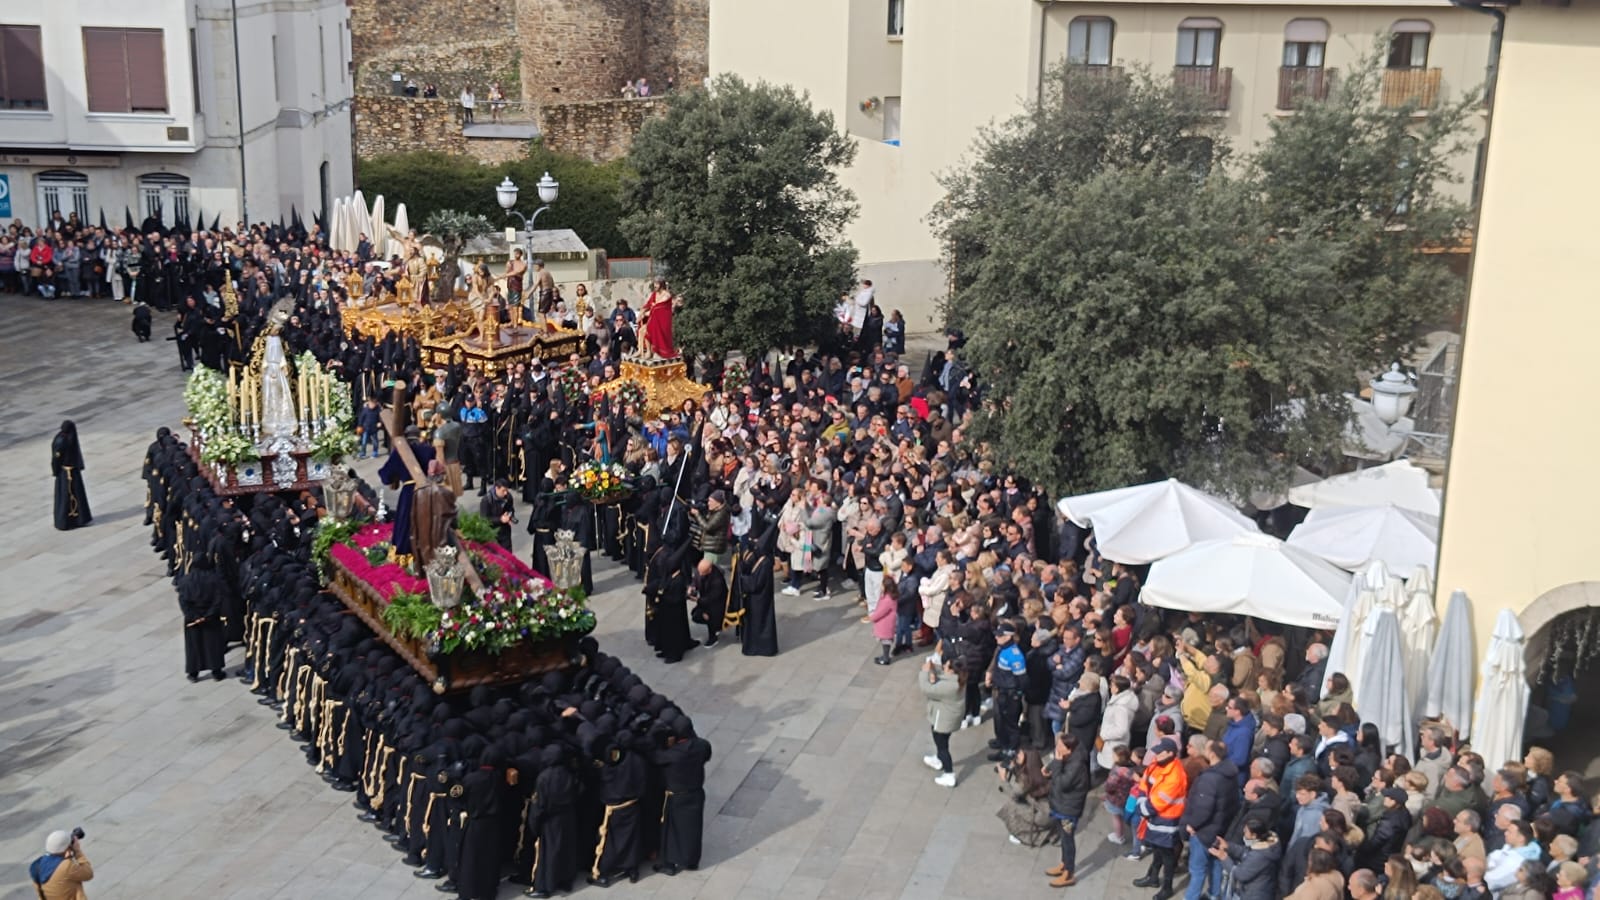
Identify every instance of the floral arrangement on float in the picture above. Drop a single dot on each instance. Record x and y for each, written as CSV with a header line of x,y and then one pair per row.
x,y
600,482
735,377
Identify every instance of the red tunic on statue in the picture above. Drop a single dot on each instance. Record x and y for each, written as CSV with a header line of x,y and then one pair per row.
x,y
658,324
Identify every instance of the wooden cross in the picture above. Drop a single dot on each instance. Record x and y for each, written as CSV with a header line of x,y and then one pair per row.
x,y
391,419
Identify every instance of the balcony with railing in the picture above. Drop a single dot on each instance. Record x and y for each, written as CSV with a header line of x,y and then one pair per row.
x,y
1212,84
1403,87
1303,84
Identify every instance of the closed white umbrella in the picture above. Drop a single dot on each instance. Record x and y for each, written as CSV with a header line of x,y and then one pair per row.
x,y
1401,483
1249,575
1450,669
1146,522
362,212
378,230
1353,536
1383,698
341,225
1418,626
1502,695
402,224
1344,651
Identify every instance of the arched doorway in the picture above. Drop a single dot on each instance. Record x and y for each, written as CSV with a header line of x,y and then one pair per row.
x,y
1562,654
165,196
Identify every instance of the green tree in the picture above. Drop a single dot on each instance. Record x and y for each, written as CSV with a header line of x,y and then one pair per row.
x,y
454,229
737,192
1138,309
427,181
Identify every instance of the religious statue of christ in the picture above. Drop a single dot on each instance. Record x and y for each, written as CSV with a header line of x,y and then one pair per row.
x,y
655,323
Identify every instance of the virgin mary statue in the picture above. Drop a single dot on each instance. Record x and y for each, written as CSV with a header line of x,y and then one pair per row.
x,y
278,418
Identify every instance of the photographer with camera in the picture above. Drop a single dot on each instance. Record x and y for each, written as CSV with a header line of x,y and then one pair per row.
x,y
500,509
60,873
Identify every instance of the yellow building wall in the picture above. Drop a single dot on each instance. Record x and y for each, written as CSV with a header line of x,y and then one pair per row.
x,y
1520,492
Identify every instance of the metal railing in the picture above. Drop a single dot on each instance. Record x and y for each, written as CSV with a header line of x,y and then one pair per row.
x,y
1433,407
509,112
1402,87
1302,84
1211,83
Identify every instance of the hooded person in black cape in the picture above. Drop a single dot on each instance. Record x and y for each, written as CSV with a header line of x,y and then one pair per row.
x,y
758,620
552,824
200,598
66,464
683,773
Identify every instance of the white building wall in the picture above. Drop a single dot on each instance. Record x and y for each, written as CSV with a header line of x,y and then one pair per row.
x,y
288,135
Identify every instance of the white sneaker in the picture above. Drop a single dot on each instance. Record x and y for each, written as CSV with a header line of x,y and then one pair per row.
x,y
1116,839
790,591
933,763
1014,839
948,779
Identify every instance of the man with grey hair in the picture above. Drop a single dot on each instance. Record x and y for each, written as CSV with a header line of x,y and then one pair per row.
x,y
1363,885
1312,677
1433,760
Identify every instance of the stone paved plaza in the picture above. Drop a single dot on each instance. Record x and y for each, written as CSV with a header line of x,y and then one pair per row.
x,y
816,789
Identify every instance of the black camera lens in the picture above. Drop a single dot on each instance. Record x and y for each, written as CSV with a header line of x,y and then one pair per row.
x,y
78,833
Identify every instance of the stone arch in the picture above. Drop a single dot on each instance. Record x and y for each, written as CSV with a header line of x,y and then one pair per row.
x,y
1546,609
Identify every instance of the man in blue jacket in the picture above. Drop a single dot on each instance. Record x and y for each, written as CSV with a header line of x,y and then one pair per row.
x,y
1239,736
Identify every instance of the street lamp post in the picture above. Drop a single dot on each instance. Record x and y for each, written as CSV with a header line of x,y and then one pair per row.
x,y
506,193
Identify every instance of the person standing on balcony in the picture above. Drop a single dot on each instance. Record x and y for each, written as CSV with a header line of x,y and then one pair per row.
x,y
497,101
467,103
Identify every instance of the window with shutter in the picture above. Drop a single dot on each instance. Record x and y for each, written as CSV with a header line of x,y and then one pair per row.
x,y
125,69
21,68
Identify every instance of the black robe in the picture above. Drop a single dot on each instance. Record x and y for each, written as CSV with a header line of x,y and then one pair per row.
x,y
553,825
667,585
622,784
66,464
482,840
758,621
200,600
683,771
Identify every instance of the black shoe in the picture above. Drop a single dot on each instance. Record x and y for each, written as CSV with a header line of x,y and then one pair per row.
x,y
282,726
999,756
540,895
520,879
368,816
446,887
344,787
711,642
1164,894
412,859
193,678
1146,882
394,838
994,743
667,868
428,872
604,881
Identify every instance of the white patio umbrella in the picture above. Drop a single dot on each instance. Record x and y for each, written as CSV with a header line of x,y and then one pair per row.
x,y
361,212
1146,522
1401,483
1249,575
1502,695
1450,669
1418,626
1384,698
1352,536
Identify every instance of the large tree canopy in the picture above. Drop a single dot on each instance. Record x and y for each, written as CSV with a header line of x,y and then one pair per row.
x,y
1137,308
738,194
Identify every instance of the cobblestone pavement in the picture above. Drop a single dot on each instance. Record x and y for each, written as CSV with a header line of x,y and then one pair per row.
x,y
817,788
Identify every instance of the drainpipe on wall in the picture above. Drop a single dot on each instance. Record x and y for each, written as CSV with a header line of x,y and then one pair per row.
x,y
238,92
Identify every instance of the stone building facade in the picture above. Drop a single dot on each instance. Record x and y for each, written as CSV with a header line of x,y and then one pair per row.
x,y
564,60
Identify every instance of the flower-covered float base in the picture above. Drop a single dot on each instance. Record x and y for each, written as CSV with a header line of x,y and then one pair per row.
x,y
272,472
522,628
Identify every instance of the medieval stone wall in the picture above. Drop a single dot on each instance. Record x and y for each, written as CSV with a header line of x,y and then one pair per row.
x,y
599,130
446,42
402,125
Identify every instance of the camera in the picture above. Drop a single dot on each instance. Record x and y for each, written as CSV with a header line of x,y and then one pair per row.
x,y
78,833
